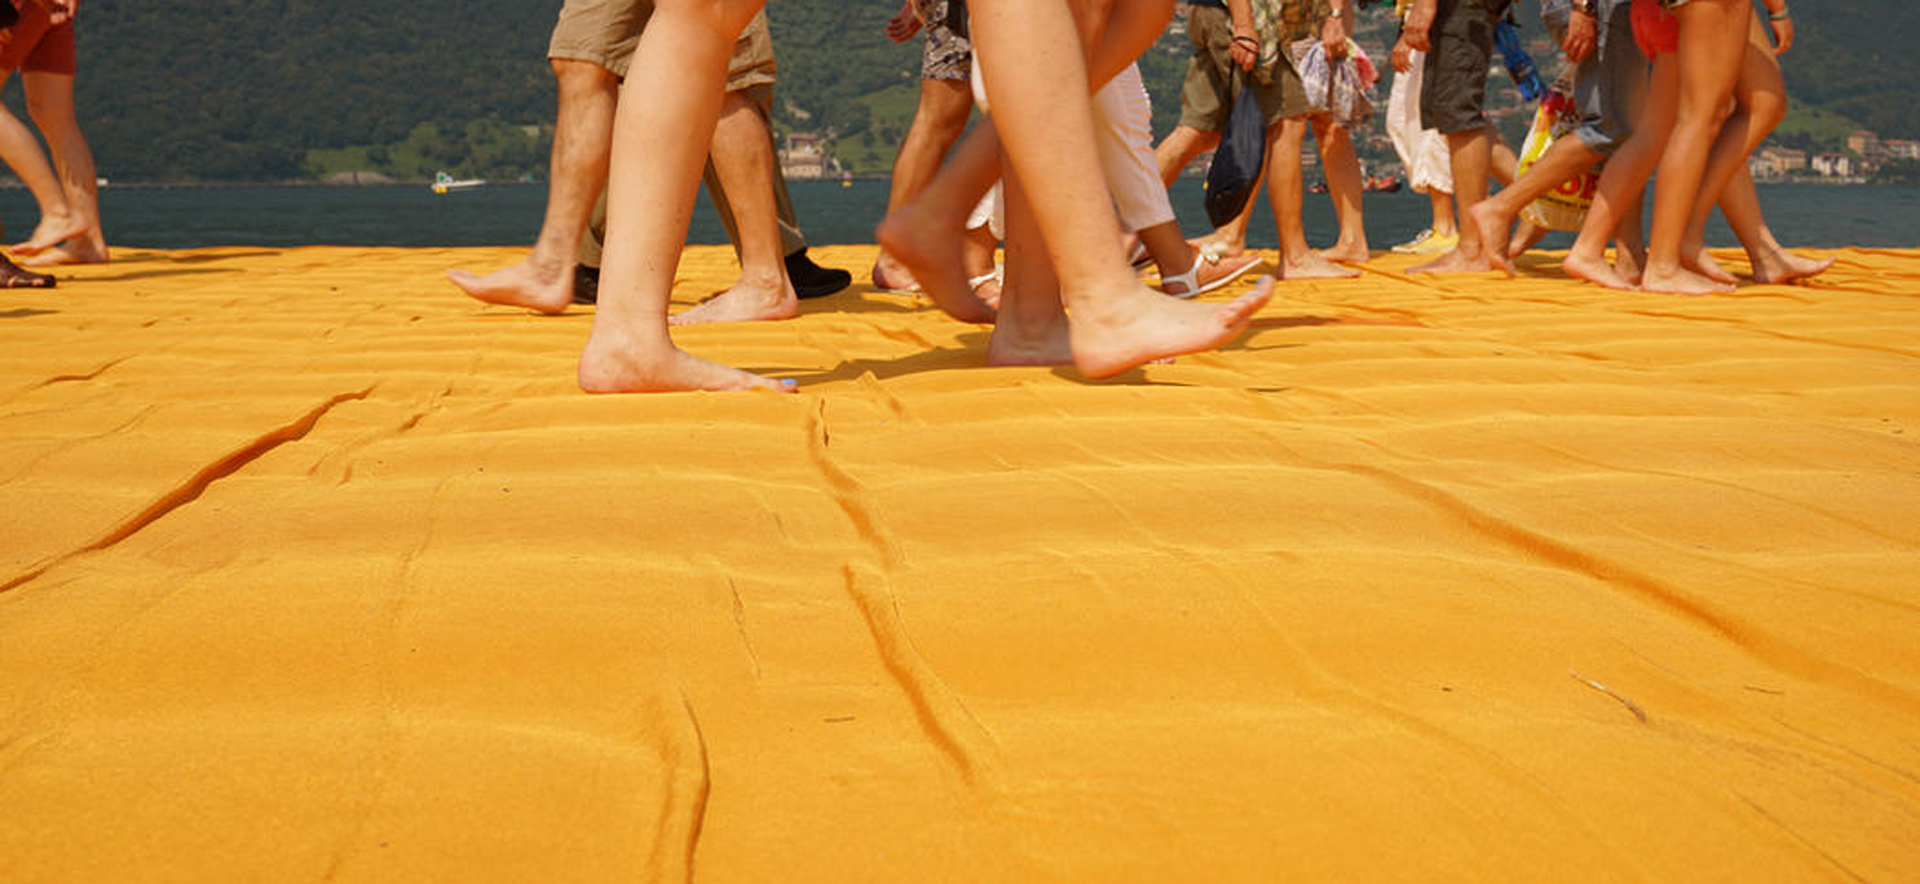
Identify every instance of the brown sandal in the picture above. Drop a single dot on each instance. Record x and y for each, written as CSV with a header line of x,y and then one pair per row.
x,y
13,276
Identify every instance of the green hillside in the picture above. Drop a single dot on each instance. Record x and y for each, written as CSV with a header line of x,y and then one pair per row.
x,y
243,89
1857,60
250,90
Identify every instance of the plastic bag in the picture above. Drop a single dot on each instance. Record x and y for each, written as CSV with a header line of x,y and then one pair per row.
x,y
1316,76
1235,172
1565,206
1350,101
1340,88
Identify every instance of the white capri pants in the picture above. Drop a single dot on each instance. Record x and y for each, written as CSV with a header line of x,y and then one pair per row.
x,y
1123,135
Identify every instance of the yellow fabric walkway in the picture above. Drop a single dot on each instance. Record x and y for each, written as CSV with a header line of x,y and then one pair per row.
x,y
312,568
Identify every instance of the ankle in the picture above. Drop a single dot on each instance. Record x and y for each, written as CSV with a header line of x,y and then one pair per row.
x,y
547,264
762,279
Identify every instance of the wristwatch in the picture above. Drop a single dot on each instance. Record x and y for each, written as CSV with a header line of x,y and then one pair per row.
x,y
1583,6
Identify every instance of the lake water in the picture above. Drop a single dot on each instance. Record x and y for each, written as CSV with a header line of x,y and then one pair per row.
x,y
187,217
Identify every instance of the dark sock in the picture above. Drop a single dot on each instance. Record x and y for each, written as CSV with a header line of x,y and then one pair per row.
x,y
811,280
586,284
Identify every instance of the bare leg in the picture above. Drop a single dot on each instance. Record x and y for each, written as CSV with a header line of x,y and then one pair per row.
x,y
22,153
1762,100
743,160
1117,323
1503,164
1230,239
1472,152
1173,155
1297,260
1759,105
924,234
1772,263
667,114
582,136
1342,167
1630,241
938,122
1526,235
1032,326
1177,151
1622,183
1493,217
1440,203
50,103
1713,34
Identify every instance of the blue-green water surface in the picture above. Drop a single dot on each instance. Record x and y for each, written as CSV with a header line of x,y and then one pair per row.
x,y
1803,215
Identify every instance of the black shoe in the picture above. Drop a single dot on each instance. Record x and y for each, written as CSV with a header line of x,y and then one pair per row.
x,y
586,284
811,280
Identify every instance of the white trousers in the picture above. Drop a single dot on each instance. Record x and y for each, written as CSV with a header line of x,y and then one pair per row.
x,y
1422,151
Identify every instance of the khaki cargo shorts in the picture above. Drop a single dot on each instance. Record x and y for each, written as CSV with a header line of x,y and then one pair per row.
x,y
1208,93
605,32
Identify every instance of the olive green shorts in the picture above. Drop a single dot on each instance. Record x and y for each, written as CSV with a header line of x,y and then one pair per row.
x,y
605,32
1207,96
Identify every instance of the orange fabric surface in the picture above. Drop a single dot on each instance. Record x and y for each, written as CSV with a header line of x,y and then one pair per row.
x,y
312,568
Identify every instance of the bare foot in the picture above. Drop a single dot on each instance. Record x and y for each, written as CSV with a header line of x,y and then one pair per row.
x,y
987,289
1350,253
1141,325
1219,247
1455,262
1629,264
534,285
1594,270
608,365
1012,344
1526,235
1694,257
50,232
1312,266
1781,267
1494,228
933,256
889,276
1680,281
745,302
77,250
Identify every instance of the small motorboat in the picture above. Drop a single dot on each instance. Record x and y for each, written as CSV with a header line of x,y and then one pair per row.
x,y
444,183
